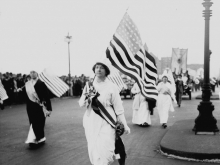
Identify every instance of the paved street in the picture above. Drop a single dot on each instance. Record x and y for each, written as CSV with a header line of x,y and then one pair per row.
x,y
66,143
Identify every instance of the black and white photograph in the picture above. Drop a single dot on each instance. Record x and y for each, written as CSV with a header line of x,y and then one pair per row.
x,y
109,82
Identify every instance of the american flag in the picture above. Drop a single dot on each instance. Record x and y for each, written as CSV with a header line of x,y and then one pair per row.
x,y
116,79
3,94
53,83
127,54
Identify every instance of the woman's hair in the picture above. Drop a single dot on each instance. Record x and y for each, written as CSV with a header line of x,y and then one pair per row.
x,y
107,71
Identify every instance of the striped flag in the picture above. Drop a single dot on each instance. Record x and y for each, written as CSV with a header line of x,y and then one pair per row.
x,y
116,79
151,67
53,83
126,53
3,94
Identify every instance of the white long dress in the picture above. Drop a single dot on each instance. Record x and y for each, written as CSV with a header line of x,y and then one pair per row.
x,y
141,113
99,134
164,101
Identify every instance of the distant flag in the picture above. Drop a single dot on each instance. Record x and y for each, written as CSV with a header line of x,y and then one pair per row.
x,y
179,60
126,53
114,75
53,83
3,94
116,79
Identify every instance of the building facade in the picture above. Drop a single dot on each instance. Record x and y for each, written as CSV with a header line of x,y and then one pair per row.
x,y
195,66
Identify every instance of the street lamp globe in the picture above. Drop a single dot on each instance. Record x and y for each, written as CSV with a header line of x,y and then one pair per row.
x,y
68,38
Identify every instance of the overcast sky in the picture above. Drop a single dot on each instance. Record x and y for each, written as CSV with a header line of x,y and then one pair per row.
x,y
32,32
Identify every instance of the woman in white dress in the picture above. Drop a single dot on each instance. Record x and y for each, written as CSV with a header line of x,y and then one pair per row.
x,y
164,100
99,133
141,113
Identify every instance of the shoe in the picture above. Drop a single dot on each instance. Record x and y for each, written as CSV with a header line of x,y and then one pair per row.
x,y
42,140
178,105
164,125
31,142
144,125
2,107
33,145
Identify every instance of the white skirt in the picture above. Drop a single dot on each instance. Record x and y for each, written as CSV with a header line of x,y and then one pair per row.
x,y
141,115
100,139
164,105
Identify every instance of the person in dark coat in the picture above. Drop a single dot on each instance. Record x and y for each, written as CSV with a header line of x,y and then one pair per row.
x,y
77,87
38,108
20,84
179,89
188,87
212,84
8,84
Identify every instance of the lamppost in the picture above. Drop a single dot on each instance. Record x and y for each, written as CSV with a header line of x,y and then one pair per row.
x,y
206,122
68,40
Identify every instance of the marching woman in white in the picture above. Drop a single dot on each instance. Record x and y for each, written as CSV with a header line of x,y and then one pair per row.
x,y
99,133
141,113
164,100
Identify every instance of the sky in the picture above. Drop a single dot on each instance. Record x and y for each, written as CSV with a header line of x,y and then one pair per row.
x,y
32,32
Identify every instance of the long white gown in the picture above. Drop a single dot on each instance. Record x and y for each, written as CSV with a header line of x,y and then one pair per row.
x,y
99,134
164,101
141,113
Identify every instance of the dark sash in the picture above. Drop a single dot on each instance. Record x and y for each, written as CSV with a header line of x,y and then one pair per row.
x,y
119,146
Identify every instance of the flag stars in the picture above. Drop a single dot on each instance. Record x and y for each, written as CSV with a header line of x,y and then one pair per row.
x,y
129,33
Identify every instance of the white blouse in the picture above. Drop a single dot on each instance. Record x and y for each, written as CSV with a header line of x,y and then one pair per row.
x,y
109,95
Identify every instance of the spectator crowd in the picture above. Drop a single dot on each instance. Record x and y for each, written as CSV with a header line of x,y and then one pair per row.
x,y
12,82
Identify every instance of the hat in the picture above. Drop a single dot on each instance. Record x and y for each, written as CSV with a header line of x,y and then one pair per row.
x,y
106,63
165,74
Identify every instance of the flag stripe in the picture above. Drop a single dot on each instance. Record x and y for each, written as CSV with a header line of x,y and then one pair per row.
x,y
151,59
116,79
149,78
54,84
122,58
119,80
127,54
113,58
139,63
49,85
121,54
112,80
151,65
148,92
58,83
